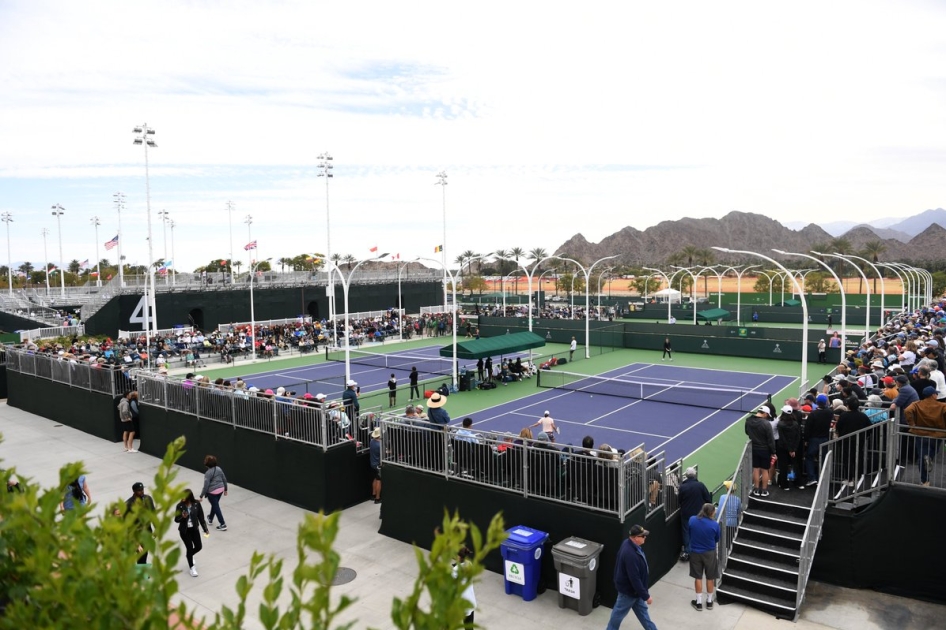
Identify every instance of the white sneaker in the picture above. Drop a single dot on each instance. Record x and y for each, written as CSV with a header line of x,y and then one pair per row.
x,y
133,451
194,571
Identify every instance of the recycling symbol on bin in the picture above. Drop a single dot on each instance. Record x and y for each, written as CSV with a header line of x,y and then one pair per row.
x,y
514,569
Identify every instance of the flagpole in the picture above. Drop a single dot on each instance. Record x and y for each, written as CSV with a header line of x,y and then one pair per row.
x,y
98,266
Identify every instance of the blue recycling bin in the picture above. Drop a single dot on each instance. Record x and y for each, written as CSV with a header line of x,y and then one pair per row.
x,y
522,561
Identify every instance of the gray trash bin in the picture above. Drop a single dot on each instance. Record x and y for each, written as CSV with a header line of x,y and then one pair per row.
x,y
576,561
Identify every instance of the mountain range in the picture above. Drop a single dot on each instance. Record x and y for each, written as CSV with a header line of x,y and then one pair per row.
x,y
921,238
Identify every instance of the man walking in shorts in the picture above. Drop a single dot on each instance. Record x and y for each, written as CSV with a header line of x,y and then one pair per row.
x,y
571,350
704,536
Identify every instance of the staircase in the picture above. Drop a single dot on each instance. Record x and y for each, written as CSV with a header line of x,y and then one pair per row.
x,y
763,566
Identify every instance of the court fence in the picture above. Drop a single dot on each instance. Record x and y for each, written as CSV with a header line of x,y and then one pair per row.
x,y
51,332
95,377
596,481
324,425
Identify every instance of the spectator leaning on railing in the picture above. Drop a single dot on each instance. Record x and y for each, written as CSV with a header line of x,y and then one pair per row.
x,y
927,420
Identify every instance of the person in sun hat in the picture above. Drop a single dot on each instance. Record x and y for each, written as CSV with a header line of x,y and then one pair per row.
x,y
350,399
759,430
436,414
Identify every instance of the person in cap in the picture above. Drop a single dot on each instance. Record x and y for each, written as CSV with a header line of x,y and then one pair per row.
x,y
906,396
630,581
548,426
890,390
704,537
759,430
392,391
350,399
692,494
374,460
436,414
141,507
822,351
927,421
731,505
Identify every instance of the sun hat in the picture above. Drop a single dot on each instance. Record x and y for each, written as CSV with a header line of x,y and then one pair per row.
x,y
436,401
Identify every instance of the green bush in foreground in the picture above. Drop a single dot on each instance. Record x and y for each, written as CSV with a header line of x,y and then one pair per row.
x,y
75,571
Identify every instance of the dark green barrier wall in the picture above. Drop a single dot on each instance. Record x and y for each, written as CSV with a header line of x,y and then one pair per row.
x,y
91,412
209,309
300,474
3,381
892,546
414,504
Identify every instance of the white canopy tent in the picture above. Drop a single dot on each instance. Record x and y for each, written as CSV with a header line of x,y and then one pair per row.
x,y
667,295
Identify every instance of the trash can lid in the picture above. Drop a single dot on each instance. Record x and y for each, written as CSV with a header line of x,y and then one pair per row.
x,y
522,535
575,547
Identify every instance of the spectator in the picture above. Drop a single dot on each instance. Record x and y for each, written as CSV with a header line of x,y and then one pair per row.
x,y
76,492
189,517
852,457
731,505
350,399
759,430
215,485
630,581
788,450
704,537
144,514
692,495
927,421
374,460
465,434
436,413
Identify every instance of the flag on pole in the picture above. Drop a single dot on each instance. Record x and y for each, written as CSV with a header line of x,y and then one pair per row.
x,y
112,243
85,263
95,273
223,263
250,245
396,256
373,249
438,249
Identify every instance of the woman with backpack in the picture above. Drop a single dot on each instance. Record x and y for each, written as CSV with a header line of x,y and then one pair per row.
x,y
77,493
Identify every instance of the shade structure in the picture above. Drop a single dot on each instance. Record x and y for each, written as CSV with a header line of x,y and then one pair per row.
x,y
494,346
713,314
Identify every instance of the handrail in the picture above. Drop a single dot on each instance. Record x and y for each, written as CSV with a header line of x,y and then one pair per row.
x,y
858,456
812,535
740,491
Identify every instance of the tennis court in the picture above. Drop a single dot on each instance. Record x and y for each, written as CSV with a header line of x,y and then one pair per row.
x,y
671,408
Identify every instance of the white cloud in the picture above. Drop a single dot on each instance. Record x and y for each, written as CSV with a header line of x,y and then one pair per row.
x,y
550,118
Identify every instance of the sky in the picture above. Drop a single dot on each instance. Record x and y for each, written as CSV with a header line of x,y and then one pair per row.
x,y
549,118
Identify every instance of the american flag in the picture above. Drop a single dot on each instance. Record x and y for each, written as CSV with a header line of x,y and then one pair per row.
x,y
250,245
112,243
85,263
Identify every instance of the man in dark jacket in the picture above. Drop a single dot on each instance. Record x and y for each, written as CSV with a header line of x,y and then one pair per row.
x,y
817,432
852,456
692,495
759,430
630,581
788,448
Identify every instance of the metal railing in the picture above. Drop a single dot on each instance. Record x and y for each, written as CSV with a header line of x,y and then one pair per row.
x,y
301,420
860,462
51,332
917,457
527,467
731,505
809,542
104,379
163,332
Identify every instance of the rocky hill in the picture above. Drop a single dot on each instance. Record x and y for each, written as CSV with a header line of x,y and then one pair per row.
x,y
744,231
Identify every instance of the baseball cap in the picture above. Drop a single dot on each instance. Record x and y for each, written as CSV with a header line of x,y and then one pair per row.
x,y
821,400
135,487
350,383
787,409
638,530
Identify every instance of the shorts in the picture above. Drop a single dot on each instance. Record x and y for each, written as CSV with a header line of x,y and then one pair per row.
x,y
376,474
705,563
761,459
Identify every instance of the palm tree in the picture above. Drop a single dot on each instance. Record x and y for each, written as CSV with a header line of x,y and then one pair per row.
x,y
336,258
872,251
26,268
237,264
283,262
516,252
74,266
538,254
468,256
349,260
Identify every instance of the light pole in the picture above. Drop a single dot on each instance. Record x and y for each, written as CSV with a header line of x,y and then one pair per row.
x,y
119,206
669,280
528,274
171,225
230,224
58,211
539,301
600,276
98,265
252,309
771,279
249,238
840,286
325,170
687,271
400,307
145,138
442,182
913,284
587,295
45,233
804,306
7,218
882,290
739,290
453,284
903,284
346,283
164,228
866,288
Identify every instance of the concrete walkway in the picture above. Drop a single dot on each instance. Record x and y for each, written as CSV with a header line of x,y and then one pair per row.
x,y
385,568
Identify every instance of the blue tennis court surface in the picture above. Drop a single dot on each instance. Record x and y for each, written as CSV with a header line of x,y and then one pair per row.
x,y
677,428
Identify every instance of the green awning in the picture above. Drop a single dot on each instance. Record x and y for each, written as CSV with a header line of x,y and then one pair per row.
x,y
791,303
494,346
713,314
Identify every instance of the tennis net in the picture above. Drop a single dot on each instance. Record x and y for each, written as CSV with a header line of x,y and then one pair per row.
x,y
678,394
425,365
